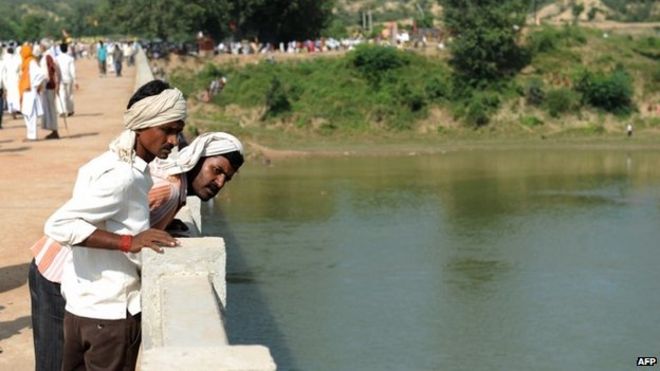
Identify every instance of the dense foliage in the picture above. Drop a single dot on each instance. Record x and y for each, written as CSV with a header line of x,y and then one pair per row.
x,y
174,20
333,93
612,92
486,38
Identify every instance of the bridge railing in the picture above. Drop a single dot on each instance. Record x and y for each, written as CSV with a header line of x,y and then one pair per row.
x,y
184,298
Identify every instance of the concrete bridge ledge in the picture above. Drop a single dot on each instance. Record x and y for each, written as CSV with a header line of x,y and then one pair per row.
x,y
184,287
184,295
217,358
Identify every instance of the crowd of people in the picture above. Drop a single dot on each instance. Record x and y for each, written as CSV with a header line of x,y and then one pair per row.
x,y
37,81
111,56
320,45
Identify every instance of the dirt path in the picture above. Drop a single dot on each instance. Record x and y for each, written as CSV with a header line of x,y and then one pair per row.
x,y
35,179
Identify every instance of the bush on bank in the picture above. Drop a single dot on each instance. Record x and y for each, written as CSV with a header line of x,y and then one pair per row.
x,y
370,87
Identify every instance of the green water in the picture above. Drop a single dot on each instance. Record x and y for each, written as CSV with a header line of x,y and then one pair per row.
x,y
470,260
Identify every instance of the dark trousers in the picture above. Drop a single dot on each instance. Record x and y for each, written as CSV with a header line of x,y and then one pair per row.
x,y
97,344
47,317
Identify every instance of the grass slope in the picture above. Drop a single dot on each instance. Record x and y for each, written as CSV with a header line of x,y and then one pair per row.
x,y
386,93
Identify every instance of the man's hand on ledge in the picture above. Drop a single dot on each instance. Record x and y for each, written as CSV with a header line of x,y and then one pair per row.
x,y
154,239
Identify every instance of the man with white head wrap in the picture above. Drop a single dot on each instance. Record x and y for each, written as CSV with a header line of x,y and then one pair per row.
x,y
106,225
30,85
168,194
202,169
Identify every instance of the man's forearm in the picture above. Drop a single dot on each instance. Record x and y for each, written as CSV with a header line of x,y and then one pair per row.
x,y
101,239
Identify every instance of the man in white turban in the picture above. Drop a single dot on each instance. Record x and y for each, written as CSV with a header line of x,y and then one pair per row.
x,y
106,225
201,169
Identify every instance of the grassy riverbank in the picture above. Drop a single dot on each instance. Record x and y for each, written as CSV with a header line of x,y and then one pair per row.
x,y
580,84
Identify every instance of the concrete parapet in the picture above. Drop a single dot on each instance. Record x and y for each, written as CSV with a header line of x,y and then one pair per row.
x,y
184,295
183,299
220,358
184,288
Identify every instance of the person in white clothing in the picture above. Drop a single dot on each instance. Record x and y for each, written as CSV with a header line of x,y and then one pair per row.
x,y
48,96
2,84
32,82
67,67
106,226
12,61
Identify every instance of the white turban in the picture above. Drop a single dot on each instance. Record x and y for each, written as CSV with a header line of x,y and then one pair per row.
x,y
46,43
155,110
205,145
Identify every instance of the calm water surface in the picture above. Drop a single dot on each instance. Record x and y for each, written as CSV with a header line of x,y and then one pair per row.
x,y
471,260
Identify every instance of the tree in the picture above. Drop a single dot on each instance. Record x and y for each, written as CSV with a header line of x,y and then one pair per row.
x,y
167,19
485,38
281,20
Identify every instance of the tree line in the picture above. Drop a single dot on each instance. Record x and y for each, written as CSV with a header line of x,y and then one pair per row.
x,y
172,20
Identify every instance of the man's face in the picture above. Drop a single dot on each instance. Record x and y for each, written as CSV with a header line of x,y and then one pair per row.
x,y
158,141
210,175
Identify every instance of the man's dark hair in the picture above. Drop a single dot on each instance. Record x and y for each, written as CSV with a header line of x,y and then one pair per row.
x,y
64,47
153,87
235,159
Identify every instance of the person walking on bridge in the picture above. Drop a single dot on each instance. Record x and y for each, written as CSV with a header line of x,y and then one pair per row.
x,y
101,57
2,83
30,87
67,66
49,94
12,61
117,58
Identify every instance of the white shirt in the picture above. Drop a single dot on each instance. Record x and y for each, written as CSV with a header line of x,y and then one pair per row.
x,y
111,195
67,67
31,104
3,73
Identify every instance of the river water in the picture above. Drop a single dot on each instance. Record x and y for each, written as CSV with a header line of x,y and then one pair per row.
x,y
468,260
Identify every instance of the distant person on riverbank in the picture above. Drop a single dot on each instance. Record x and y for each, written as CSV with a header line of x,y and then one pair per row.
x,y
629,130
202,168
101,57
106,225
217,85
30,87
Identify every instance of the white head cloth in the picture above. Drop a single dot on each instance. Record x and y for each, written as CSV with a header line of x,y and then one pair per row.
x,y
205,145
155,110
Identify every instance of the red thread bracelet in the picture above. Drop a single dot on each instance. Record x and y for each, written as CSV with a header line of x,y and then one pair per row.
x,y
125,242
